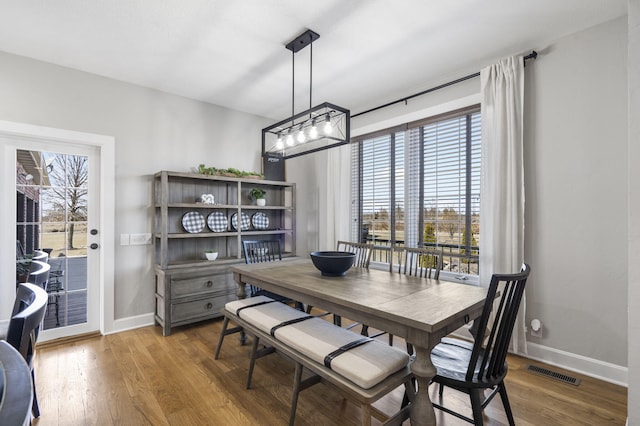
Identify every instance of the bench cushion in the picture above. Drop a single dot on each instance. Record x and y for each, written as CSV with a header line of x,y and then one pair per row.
x,y
265,316
365,365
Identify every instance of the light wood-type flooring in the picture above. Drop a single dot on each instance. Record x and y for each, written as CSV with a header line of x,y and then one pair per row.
x,y
139,377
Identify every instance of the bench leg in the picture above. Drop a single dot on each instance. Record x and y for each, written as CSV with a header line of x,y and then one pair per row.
x,y
297,377
225,324
298,386
365,420
252,360
225,332
255,354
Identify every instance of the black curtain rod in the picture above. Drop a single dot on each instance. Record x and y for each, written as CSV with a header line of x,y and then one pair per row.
x,y
532,55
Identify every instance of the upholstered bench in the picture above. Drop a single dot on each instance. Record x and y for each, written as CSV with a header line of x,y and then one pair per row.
x,y
363,369
363,360
241,304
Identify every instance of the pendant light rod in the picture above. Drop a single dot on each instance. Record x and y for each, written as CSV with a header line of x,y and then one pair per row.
x,y
310,73
293,83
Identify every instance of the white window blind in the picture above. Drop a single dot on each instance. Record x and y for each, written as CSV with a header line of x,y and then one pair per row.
x,y
376,188
451,191
421,187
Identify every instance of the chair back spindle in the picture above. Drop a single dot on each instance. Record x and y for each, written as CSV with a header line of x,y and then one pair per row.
x,y
262,251
420,262
363,252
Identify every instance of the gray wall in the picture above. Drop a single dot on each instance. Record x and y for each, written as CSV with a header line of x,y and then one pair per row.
x,y
576,194
634,212
153,131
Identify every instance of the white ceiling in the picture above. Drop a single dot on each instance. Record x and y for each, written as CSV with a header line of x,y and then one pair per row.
x,y
231,52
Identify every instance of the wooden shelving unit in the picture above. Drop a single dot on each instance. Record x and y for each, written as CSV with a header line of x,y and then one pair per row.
x,y
190,288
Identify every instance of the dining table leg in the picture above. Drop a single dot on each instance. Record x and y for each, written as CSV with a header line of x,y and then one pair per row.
x,y
421,412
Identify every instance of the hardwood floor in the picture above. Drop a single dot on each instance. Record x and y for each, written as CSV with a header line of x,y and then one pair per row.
x,y
139,377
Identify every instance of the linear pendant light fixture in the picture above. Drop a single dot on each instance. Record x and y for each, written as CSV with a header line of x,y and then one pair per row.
x,y
318,128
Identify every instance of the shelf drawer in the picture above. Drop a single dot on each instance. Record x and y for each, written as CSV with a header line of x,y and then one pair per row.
x,y
198,308
201,284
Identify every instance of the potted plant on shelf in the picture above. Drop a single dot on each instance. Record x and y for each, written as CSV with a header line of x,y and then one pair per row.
x,y
258,195
211,255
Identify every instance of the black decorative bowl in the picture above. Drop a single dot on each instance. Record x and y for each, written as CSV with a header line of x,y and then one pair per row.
x,y
333,263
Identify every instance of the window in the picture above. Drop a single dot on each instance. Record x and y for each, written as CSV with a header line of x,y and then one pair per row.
x,y
419,185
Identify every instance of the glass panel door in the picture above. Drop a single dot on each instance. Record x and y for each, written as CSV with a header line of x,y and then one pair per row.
x,y
53,193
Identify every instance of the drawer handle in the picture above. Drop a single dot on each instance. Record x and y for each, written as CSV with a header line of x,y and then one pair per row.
x,y
209,305
209,284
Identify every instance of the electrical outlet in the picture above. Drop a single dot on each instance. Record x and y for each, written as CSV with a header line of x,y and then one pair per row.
x,y
536,328
140,239
124,239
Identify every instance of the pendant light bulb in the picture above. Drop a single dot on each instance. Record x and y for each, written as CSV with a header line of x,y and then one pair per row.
x,y
328,128
290,140
301,137
313,131
279,142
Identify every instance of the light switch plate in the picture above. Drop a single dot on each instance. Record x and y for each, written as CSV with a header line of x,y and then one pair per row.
x,y
140,239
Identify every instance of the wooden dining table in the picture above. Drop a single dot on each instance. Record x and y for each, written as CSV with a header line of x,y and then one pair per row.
x,y
420,310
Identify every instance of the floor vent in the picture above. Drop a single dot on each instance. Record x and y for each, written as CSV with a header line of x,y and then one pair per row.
x,y
553,374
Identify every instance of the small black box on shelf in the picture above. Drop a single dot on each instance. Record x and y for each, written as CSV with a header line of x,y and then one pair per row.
x,y
273,167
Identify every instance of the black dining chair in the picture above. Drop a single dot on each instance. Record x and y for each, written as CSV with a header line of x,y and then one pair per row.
x,y
265,251
475,367
258,252
363,252
362,260
420,262
24,326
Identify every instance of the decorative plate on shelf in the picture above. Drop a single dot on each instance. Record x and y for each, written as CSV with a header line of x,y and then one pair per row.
x,y
217,221
244,221
260,221
193,222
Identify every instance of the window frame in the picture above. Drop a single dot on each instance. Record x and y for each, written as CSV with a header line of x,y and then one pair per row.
x,y
357,187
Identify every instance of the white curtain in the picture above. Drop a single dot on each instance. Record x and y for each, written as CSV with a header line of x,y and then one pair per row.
x,y
502,184
335,199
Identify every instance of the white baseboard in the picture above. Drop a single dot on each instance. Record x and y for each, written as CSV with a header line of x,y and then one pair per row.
x,y
597,369
131,323
600,370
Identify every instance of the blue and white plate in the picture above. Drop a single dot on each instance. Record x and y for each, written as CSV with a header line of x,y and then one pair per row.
x,y
193,222
260,221
217,221
244,221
